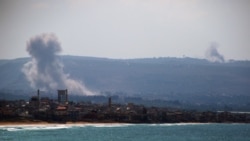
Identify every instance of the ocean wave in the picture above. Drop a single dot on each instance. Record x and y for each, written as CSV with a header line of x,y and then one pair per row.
x,y
95,125
104,125
100,125
109,125
59,126
177,124
32,127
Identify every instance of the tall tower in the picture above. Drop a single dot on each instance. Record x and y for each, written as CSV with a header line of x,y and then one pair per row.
x,y
62,96
38,97
110,102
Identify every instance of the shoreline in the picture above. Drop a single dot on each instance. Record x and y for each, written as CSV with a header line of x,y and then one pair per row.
x,y
42,123
31,123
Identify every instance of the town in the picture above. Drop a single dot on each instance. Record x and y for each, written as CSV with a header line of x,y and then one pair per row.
x,y
63,110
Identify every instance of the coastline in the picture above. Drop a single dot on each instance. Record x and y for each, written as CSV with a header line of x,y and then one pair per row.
x,y
83,123
43,123
17,126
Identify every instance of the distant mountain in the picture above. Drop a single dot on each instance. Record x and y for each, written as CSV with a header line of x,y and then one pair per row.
x,y
185,79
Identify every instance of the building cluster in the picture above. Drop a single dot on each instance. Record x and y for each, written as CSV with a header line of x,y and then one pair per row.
x,y
62,110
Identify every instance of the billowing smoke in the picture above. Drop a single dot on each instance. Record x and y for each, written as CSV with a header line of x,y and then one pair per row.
x,y
45,71
213,55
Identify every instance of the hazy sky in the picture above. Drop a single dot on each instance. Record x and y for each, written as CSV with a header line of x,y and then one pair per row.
x,y
128,28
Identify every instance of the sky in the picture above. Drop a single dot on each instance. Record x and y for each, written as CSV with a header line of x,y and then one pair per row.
x,y
128,28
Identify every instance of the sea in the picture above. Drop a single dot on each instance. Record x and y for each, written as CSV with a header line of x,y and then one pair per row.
x,y
126,132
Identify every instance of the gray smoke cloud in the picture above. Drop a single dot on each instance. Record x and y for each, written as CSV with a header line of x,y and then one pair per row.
x,y
213,55
45,70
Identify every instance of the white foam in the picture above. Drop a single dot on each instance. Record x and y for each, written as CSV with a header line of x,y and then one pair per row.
x,y
58,126
32,127
109,125
176,124
97,125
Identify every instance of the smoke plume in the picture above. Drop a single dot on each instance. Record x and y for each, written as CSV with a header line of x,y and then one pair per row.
x,y
45,71
213,55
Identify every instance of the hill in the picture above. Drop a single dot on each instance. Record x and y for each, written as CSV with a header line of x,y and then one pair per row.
x,y
187,80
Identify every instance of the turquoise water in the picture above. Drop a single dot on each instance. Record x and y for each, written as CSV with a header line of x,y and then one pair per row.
x,y
127,132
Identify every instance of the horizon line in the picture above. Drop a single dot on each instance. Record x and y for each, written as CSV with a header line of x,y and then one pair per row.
x,y
125,58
